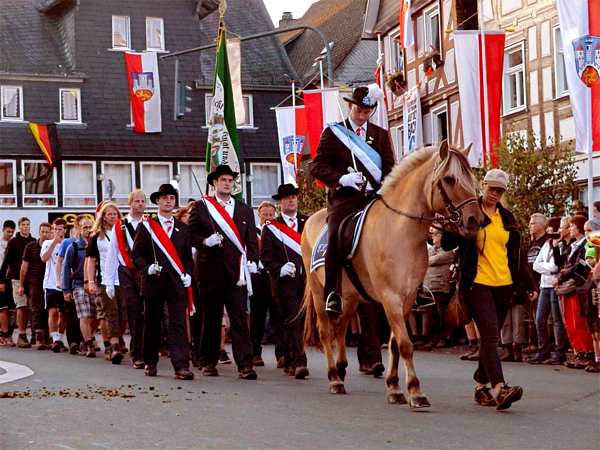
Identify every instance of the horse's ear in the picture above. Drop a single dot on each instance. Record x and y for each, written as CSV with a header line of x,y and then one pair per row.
x,y
443,150
466,151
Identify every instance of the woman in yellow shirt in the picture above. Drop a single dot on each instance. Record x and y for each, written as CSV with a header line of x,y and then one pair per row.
x,y
493,270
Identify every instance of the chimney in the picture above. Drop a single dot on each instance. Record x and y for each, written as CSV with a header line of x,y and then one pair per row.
x,y
286,19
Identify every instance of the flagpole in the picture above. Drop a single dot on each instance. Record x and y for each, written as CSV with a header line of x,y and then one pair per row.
x,y
486,148
590,181
379,58
295,138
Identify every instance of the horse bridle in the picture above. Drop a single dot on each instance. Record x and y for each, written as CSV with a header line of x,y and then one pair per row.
x,y
455,214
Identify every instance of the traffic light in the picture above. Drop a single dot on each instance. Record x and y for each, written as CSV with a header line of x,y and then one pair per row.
x,y
183,99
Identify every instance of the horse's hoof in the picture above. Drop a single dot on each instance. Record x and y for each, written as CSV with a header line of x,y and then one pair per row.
x,y
418,401
397,398
337,389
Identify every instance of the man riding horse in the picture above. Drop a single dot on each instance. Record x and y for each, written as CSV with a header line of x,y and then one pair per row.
x,y
352,159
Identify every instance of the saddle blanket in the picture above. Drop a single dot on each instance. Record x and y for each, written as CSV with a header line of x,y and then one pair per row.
x,y
351,229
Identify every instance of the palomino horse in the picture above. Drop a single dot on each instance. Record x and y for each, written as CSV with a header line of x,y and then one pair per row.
x,y
391,259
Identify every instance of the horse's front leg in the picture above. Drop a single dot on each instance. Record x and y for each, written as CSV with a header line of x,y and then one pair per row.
x,y
393,306
394,393
326,335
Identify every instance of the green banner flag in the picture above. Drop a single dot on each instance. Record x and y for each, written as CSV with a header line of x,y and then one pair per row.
x,y
223,146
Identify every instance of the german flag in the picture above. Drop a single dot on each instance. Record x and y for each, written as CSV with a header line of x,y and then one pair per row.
x,y
45,136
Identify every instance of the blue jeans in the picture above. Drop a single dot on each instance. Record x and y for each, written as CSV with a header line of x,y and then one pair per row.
x,y
547,304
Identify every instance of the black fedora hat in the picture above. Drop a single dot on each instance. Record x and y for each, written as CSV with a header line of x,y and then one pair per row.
x,y
222,169
361,97
164,189
284,190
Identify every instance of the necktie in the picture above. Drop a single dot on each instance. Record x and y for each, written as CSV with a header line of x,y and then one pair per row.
x,y
293,224
168,225
359,131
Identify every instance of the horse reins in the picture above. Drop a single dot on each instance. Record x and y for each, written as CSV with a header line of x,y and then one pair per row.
x,y
454,216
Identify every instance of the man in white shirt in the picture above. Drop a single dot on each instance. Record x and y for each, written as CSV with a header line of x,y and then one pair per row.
x,y
55,302
125,279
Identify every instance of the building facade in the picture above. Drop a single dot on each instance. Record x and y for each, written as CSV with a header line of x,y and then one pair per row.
x,y
62,62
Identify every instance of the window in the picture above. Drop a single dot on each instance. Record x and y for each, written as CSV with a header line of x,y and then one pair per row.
x,y
39,185
432,30
155,34
397,56
154,174
121,36
560,70
8,187
439,124
70,101
191,175
248,107
265,178
514,79
117,181
79,183
11,102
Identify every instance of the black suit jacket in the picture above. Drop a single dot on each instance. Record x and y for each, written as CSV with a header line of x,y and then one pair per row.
x,y
220,265
143,256
273,256
333,159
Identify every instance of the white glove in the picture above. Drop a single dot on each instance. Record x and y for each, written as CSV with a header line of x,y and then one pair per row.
x,y
287,270
154,269
186,279
110,291
353,180
213,240
252,267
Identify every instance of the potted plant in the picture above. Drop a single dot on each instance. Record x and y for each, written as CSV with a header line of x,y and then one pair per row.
x,y
433,60
396,82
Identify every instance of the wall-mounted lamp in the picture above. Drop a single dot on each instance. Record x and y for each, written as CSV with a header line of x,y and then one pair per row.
x,y
177,177
100,177
20,178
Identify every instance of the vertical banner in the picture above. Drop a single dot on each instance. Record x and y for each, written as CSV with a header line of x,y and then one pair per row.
x,y
322,106
468,46
580,33
144,91
234,54
291,129
406,37
223,145
412,121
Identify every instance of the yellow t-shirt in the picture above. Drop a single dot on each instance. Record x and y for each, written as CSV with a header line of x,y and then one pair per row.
x,y
492,264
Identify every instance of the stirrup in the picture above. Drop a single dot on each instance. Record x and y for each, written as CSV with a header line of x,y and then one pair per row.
x,y
333,304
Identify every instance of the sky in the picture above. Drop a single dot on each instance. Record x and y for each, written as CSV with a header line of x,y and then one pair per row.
x,y
277,7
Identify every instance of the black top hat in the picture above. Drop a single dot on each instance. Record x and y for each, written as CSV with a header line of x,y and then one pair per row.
x,y
164,189
222,169
360,97
284,190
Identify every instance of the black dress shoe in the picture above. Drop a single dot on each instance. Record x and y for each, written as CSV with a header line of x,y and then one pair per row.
x,y
210,370
248,374
377,369
150,370
137,364
301,373
333,304
184,374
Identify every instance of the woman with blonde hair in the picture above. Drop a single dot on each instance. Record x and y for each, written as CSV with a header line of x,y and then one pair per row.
x,y
110,302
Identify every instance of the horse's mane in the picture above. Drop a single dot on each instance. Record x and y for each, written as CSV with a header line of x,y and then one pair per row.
x,y
457,167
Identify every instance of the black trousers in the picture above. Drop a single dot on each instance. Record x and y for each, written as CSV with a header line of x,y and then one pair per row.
x,y
234,298
289,329
369,344
134,305
72,329
177,340
488,306
260,303
336,212
39,315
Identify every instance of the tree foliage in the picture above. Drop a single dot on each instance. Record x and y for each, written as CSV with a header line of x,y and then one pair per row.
x,y
541,176
311,198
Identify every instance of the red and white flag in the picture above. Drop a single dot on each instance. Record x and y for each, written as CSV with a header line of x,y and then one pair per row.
x,y
580,33
322,106
482,132
293,134
406,37
144,91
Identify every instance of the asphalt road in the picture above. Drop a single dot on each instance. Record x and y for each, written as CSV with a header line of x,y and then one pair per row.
x,y
71,402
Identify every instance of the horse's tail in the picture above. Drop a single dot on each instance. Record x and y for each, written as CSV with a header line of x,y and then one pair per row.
x,y
311,332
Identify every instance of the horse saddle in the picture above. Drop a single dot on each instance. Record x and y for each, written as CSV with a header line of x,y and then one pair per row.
x,y
349,235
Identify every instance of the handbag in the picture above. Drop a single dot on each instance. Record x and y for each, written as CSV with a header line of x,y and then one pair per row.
x,y
566,287
457,315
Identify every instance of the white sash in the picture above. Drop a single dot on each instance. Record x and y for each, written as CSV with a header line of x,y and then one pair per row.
x,y
286,240
244,279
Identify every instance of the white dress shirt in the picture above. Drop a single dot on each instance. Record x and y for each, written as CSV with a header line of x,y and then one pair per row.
x,y
291,221
228,205
363,129
168,224
133,222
